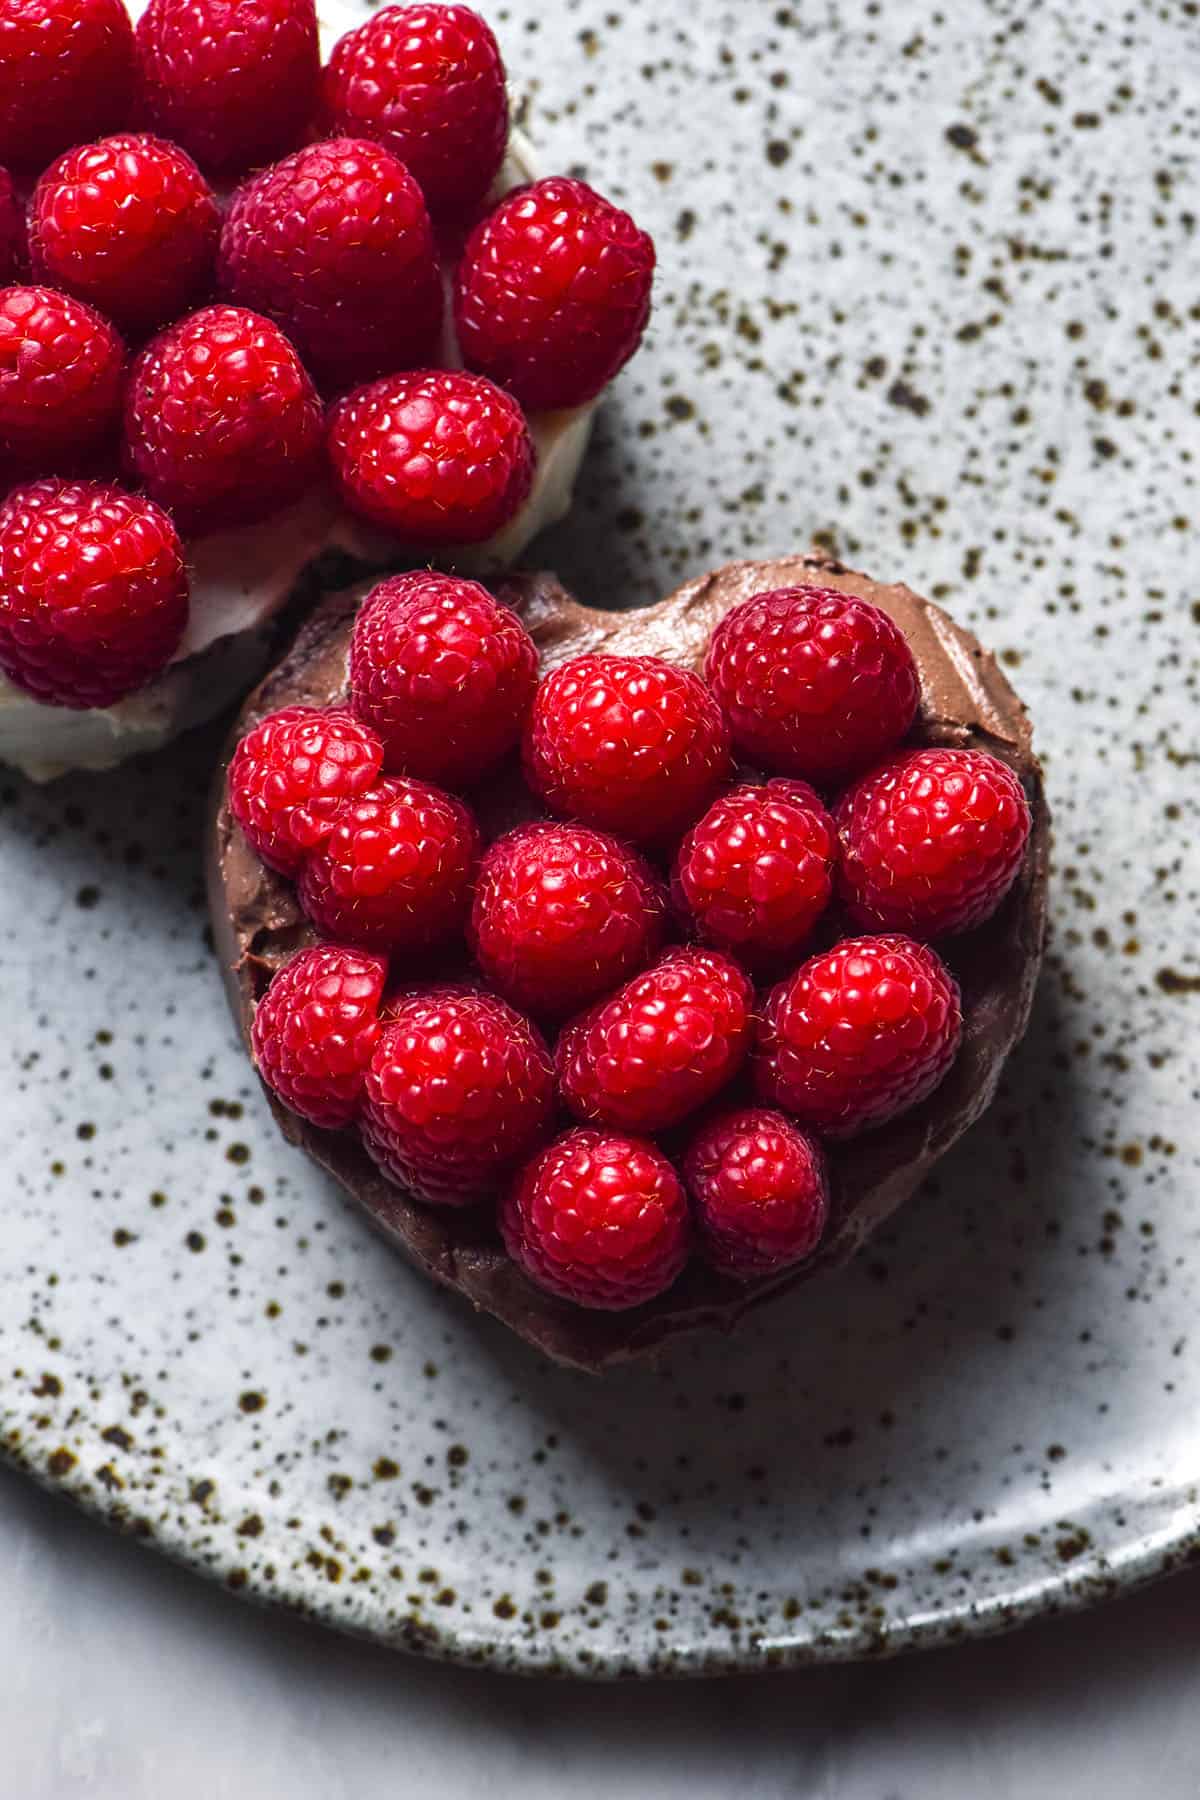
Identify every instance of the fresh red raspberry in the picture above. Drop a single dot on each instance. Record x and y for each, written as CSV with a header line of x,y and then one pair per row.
x,y
14,248
334,244
444,673
433,456
314,1031
61,367
598,1219
128,224
932,841
395,872
813,682
660,1046
222,422
760,1190
66,74
93,591
291,776
756,872
460,1089
428,82
858,1034
563,914
553,293
629,743
236,82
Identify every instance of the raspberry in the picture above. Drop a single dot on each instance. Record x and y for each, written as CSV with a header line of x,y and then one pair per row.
x,y
129,225
334,244
395,872
61,368
236,82
859,1034
760,1191
553,293
435,457
93,591
428,82
291,776
598,1219
756,873
444,673
563,914
315,1028
66,74
13,246
660,1046
222,423
629,743
813,682
460,1089
932,841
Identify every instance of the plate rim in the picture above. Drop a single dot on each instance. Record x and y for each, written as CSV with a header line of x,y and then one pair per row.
x,y
1084,1582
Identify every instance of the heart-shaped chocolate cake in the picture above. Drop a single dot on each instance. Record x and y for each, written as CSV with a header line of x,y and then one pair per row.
x,y
930,841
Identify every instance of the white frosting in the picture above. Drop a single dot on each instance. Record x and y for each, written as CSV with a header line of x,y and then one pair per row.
x,y
241,579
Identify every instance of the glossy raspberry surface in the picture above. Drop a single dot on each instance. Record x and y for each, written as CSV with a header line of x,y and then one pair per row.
x,y
66,74
236,82
760,1191
553,293
222,421
334,243
444,673
395,872
61,369
563,914
599,1219
13,245
128,224
428,82
459,1090
93,591
659,1047
631,744
858,1035
314,1031
434,457
932,841
755,874
290,777
814,682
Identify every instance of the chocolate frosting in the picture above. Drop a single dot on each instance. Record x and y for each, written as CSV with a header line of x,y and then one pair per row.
x,y
965,700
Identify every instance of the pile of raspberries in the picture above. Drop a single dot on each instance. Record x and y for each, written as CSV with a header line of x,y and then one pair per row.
x,y
629,1023
179,353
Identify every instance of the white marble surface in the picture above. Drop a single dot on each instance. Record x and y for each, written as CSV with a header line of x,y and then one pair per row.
x,y
122,1678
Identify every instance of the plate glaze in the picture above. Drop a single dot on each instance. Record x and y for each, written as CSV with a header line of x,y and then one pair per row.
x,y
925,291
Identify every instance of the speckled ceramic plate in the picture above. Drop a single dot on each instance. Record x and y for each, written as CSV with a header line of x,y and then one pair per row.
x,y
928,287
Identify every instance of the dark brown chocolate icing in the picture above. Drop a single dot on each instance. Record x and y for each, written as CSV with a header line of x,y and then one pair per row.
x,y
964,700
